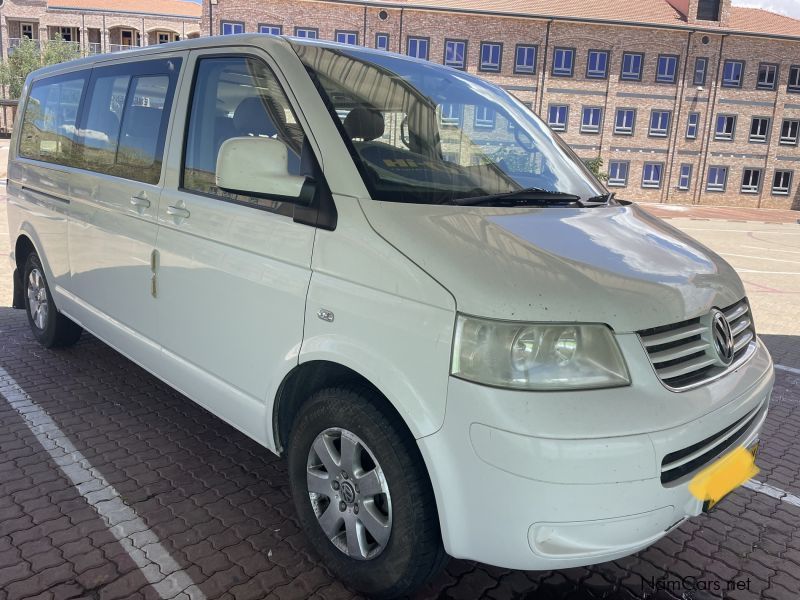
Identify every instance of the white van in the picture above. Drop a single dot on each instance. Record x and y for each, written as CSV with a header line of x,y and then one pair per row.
x,y
394,274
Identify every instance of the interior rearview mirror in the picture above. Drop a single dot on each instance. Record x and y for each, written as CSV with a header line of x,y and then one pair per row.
x,y
259,166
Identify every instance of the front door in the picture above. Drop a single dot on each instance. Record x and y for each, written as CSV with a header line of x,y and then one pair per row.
x,y
233,271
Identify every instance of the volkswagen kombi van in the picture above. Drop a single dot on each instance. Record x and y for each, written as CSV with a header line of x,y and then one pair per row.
x,y
394,274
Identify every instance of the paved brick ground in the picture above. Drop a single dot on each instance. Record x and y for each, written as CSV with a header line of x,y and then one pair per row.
x,y
220,504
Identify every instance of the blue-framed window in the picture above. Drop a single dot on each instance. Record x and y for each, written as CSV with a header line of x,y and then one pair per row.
x,y
231,28
591,118
651,174
700,71
382,41
452,115
618,173
491,56
632,63
484,117
418,47
270,29
717,179
557,116
347,37
726,127
455,53
311,33
659,123
597,64
563,62
667,69
525,59
692,123
732,73
685,177
625,121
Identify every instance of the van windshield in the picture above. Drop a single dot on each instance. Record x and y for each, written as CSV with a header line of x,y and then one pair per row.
x,y
424,133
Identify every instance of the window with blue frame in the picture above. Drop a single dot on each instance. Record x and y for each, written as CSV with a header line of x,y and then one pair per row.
x,y
452,115
659,123
651,174
625,121
455,53
717,178
484,117
525,59
557,117
382,41
418,47
732,73
231,28
563,62
347,37
597,64
618,173
692,123
590,119
700,71
632,63
491,55
270,29
667,69
306,32
685,177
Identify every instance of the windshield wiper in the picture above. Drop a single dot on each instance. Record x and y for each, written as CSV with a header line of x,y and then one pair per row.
x,y
524,196
600,199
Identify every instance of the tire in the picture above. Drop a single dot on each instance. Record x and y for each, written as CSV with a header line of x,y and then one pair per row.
x,y
50,328
385,488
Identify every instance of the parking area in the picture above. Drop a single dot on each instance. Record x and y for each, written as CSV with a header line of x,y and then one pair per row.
x,y
112,485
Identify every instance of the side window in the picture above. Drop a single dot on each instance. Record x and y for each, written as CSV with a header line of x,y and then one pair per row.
x,y
235,97
126,116
48,125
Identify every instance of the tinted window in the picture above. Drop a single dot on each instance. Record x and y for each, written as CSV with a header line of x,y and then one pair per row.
x,y
235,97
48,126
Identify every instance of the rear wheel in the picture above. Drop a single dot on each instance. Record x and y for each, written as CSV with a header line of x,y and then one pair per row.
x,y
362,493
49,327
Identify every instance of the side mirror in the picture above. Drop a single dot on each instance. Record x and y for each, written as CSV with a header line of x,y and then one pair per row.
x,y
259,166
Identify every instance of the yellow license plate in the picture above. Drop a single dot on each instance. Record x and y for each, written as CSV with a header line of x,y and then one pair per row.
x,y
724,475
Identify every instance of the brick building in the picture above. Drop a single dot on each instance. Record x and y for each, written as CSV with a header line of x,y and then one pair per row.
x,y
686,101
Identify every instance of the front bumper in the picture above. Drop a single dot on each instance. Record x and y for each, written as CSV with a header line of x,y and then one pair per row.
x,y
511,493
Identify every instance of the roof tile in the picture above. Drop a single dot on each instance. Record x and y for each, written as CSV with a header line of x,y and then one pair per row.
x,y
177,8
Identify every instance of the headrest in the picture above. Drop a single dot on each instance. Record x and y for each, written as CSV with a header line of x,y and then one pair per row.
x,y
142,120
251,117
364,123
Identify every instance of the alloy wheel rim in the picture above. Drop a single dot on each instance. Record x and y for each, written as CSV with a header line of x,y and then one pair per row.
x,y
37,299
349,494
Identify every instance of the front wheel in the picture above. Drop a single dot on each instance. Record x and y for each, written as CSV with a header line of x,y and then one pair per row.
x,y
362,493
49,327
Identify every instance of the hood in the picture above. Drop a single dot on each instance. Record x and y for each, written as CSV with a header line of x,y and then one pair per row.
x,y
616,265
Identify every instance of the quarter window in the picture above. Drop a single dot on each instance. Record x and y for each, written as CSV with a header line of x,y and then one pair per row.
x,y
230,28
782,183
632,66
491,55
455,52
590,119
557,117
347,37
667,68
418,47
700,71
525,61
235,97
751,181
597,64
563,62
732,73
717,178
382,41
691,125
618,173
767,76
659,123
789,130
311,33
651,175
726,127
793,86
685,177
625,121
759,129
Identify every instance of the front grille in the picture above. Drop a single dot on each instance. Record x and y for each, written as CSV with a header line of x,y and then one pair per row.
x,y
680,463
683,355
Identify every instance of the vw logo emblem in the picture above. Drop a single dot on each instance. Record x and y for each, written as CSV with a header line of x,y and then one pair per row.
x,y
722,336
348,493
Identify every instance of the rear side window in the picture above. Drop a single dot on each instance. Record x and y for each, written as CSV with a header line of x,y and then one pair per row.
x,y
49,123
236,96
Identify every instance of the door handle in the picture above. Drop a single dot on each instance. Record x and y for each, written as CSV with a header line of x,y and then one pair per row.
x,y
178,212
140,201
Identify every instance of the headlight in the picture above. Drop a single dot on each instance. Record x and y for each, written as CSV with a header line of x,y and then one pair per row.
x,y
537,356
